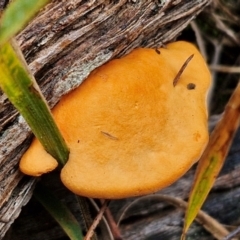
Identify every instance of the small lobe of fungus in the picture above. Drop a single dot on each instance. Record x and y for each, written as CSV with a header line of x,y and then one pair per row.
x,y
176,79
191,86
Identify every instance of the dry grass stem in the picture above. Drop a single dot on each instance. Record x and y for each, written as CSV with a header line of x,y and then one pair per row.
x,y
209,223
96,221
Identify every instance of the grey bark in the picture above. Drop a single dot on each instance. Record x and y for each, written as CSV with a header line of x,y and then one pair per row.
x,y
62,45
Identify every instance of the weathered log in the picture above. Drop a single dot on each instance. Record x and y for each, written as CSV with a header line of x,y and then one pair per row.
x,y
62,45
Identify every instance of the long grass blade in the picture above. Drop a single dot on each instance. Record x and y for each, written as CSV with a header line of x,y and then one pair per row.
x,y
20,87
17,15
213,158
59,212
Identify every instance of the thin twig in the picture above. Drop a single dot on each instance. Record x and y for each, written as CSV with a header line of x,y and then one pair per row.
x,y
233,234
176,79
199,39
209,223
105,221
96,221
225,69
113,225
218,46
225,29
86,215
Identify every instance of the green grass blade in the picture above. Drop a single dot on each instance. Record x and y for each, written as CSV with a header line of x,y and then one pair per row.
x,y
213,158
59,212
17,15
23,92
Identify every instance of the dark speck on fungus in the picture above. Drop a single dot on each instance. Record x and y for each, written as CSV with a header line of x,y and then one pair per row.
x,y
191,86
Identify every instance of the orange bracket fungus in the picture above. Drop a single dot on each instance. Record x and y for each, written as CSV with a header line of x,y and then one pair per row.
x,y
134,126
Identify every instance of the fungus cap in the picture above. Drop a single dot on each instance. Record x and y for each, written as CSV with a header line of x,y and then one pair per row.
x,y
129,130
36,161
